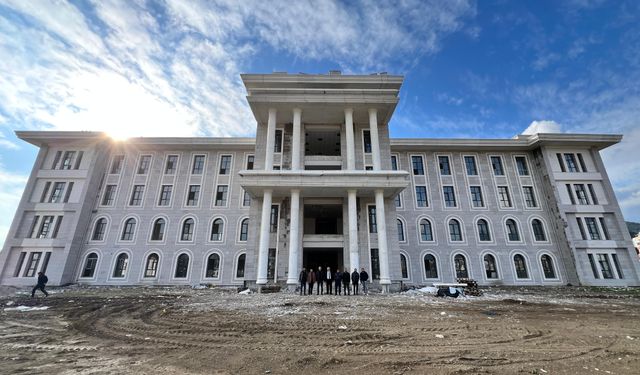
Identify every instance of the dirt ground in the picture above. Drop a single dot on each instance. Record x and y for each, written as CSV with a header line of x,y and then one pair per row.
x,y
213,331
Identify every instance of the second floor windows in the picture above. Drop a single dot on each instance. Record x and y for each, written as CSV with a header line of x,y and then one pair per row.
x,y
449,196
373,223
193,195
503,197
165,195
366,141
136,195
476,196
529,197
221,195
56,193
188,227
496,164
418,165
99,230
128,230
109,195
67,160
421,196
273,221
277,147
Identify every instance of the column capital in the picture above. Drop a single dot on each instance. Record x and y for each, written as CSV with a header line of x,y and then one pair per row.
x,y
348,110
297,111
373,111
272,110
296,191
352,191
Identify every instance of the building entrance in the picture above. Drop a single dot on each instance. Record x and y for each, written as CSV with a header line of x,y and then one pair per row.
x,y
312,258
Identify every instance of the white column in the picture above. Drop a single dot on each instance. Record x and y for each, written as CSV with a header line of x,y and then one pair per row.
x,y
354,256
383,253
351,148
375,141
263,246
294,237
295,140
271,140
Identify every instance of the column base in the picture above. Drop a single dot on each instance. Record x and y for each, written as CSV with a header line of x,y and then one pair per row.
x,y
384,288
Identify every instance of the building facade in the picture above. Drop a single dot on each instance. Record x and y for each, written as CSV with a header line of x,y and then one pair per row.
x,y
322,184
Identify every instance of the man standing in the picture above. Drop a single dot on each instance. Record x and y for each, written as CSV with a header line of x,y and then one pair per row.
x,y
346,281
320,281
302,279
329,280
311,278
338,279
364,278
355,280
42,281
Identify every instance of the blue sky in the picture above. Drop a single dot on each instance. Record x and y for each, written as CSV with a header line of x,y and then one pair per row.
x,y
171,68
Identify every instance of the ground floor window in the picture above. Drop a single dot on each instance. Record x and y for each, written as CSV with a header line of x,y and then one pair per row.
x,y
460,263
403,266
90,265
240,267
182,266
521,267
490,266
122,262
213,266
151,268
430,267
271,264
547,267
605,266
375,264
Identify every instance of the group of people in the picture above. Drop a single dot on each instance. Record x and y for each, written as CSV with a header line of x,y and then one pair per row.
x,y
336,283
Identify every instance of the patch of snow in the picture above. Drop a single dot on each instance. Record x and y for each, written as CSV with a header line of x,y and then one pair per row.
x,y
26,308
246,291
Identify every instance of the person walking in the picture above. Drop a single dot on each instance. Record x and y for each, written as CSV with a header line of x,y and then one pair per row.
x,y
320,281
328,279
338,284
311,279
302,279
364,279
355,280
42,281
345,282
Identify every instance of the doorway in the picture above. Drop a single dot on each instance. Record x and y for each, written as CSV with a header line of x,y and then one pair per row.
x,y
312,258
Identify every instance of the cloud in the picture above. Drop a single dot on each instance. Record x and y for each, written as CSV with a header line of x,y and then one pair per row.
x,y
543,126
11,188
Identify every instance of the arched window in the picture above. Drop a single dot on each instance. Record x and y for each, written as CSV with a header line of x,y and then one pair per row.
x,y
521,267
547,267
217,228
403,266
400,230
430,267
99,230
151,267
213,266
187,230
512,230
90,265
129,230
122,261
426,232
240,266
244,231
490,266
461,266
157,232
182,265
455,232
538,230
483,230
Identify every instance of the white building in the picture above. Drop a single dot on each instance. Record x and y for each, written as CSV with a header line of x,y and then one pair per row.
x,y
322,184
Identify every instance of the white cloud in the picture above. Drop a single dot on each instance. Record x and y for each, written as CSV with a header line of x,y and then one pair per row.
x,y
543,126
11,188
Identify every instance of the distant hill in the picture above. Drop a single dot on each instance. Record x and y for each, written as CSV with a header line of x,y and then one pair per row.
x,y
634,228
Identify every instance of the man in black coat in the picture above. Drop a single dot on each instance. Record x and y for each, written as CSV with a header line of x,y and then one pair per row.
x,y
42,281
355,280
302,279
320,280
364,279
338,284
345,282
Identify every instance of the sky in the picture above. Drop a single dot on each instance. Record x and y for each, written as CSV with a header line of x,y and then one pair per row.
x,y
485,69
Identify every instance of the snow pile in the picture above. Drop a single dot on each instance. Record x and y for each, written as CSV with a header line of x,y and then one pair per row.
x,y
26,308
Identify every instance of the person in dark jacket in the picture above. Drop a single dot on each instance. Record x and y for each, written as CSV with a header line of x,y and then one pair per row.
x,y
311,279
328,279
302,279
320,281
338,284
355,280
345,282
42,281
364,279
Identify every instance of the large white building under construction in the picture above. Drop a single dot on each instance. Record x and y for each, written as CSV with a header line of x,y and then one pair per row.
x,y
322,184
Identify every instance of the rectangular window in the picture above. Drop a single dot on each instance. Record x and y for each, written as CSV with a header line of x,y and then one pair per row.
x,y
45,262
605,232
375,264
56,227
172,164
592,228
246,199
67,194
116,164
560,162
56,193
67,159
445,168
276,167
373,224
503,197
496,164
271,264
45,191
398,201
366,141
592,192
581,228
449,196
45,226
165,195
56,159
145,163
193,196
583,166
273,220
221,195
570,193
198,164
109,195
32,264
616,264
476,196
250,161
394,163
529,197
16,272
570,160
581,194
594,268
421,196
521,165
225,164
368,168
605,266
418,165
470,164
78,161
277,147
34,225
136,195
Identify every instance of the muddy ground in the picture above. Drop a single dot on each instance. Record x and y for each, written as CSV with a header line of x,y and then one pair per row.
x,y
178,331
